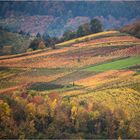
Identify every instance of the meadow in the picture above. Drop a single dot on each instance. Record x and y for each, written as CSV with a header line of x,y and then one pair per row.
x,y
115,65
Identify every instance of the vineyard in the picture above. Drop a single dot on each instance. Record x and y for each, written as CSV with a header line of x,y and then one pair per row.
x,y
86,88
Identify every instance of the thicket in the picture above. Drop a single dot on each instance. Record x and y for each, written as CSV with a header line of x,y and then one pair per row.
x,y
30,115
94,26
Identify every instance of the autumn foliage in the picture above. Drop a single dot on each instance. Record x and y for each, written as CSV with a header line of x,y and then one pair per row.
x,y
36,116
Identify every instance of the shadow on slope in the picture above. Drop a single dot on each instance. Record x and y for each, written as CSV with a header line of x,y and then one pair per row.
x,y
41,86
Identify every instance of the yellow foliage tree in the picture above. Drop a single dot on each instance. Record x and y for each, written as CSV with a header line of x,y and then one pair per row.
x,y
74,111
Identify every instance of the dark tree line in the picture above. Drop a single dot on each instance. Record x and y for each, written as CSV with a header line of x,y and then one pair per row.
x,y
42,41
94,26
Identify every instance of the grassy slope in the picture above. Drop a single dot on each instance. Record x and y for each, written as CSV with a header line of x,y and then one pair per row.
x,y
118,64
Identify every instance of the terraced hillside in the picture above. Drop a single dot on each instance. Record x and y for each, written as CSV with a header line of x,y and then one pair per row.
x,y
92,81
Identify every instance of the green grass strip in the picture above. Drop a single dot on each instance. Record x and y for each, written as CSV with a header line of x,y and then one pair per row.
x,y
115,65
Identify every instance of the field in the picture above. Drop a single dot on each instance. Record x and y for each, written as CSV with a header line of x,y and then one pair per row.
x,y
88,87
89,37
115,65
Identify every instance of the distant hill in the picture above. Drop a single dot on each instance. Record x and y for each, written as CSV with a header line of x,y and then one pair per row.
x,y
13,43
27,24
128,9
133,29
55,17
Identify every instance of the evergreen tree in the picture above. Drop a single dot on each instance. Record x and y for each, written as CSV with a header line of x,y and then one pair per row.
x,y
86,28
95,26
38,35
69,35
80,31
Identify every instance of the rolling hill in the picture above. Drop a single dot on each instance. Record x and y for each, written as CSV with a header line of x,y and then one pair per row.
x,y
87,87
37,16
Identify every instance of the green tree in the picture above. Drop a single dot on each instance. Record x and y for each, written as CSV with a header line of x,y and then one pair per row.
x,y
80,31
69,35
34,44
86,28
95,26
38,35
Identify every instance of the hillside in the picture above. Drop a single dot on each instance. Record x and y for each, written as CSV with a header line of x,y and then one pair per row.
x,y
28,24
37,16
133,29
86,88
13,43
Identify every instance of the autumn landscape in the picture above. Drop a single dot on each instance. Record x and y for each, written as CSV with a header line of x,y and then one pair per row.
x,y
82,84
